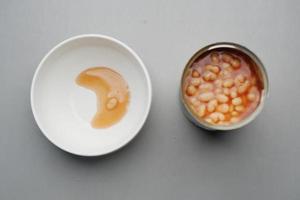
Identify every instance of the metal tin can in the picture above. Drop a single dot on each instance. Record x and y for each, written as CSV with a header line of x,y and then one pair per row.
x,y
223,46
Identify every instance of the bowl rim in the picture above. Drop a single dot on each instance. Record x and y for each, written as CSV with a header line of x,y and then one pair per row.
x,y
254,58
127,48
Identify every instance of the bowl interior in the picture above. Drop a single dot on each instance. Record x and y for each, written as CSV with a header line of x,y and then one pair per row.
x,y
63,110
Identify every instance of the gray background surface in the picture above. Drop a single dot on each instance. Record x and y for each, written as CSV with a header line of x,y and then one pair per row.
x,y
170,158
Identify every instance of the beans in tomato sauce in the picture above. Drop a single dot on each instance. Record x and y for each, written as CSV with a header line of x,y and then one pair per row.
x,y
222,88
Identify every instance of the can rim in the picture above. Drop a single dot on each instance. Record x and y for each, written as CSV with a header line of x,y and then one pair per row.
x,y
264,94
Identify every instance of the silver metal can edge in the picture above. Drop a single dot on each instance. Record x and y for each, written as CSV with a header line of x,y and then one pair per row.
x,y
264,95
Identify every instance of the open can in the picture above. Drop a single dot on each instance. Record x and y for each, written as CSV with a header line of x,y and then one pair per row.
x,y
261,74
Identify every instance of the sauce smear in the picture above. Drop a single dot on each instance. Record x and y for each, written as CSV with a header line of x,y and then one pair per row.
x,y
111,91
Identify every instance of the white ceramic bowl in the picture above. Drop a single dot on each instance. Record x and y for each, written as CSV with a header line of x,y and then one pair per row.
x,y
63,110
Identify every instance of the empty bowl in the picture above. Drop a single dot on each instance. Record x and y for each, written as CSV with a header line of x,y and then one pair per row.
x,y
63,110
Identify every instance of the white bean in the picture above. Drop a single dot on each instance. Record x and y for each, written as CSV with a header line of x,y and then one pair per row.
x,y
251,96
214,57
236,101
208,120
226,91
221,117
191,90
239,108
192,100
214,117
217,116
228,83
195,74
226,57
239,79
244,87
211,106
218,83
212,68
225,74
236,63
112,103
218,91
233,92
223,108
234,113
209,76
197,103
206,96
206,87
222,98
226,65
201,111
196,81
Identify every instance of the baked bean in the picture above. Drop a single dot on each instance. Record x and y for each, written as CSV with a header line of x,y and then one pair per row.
x,y
218,91
236,101
251,96
211,106
217,116
212,68
191,90
223,108
209,76
221,117
209,120
239,79
226,65
195,74
226,91
226,57
214,58
233,92
244,87
201,111
222,98
239,108
236,63
196,81
195,102
206,87
225,74
206,96
253,93
218,83
234,113
228,83
112,103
